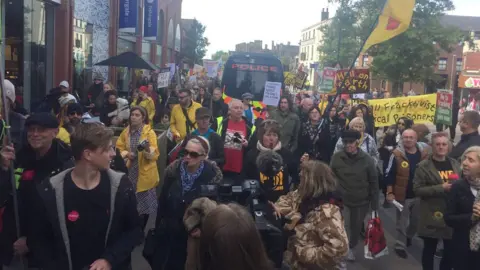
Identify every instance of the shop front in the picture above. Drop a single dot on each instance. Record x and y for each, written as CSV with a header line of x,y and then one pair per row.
x,y
28,49
469,85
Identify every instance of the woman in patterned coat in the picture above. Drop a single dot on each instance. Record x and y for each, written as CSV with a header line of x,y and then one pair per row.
x,y
318,239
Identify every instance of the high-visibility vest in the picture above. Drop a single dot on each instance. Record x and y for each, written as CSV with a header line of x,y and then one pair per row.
x,y
18,175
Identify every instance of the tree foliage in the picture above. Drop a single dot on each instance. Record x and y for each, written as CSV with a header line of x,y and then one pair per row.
x,y
195,43
220,55
409,57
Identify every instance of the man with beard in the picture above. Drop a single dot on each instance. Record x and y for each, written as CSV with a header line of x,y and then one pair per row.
x,y
74,116
43,157
219,108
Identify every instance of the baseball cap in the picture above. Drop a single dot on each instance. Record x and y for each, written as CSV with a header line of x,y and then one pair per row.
x,y
75,107
247,96
64,84
43,119
9,90
350,135
202,112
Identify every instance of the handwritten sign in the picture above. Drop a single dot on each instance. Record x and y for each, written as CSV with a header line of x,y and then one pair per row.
x,y
163,79
211,67
271,95
421,109
357,82
443,114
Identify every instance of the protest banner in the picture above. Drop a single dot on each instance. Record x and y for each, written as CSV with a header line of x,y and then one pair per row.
x,y
211,67
443,114
327,80
358,81
163,78
421,109
271,95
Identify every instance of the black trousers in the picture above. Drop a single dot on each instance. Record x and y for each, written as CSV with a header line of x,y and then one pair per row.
x,y
429,249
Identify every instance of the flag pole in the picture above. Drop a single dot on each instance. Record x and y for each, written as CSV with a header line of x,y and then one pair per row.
x,y
352,66
5,113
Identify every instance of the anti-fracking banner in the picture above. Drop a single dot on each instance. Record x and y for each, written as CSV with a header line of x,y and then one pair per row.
x,y
421,109
127,17
150,23
444,107
358,81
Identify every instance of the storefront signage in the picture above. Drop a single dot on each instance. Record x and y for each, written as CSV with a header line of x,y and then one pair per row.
x,y
150,20
472,82
127,19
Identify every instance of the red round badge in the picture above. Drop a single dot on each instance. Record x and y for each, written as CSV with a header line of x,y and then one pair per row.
x,y
73,216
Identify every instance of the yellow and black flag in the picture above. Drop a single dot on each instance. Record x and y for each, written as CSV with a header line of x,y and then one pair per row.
x,y
394,20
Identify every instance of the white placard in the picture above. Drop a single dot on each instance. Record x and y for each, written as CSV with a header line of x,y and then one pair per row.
x,y
271,95
162,79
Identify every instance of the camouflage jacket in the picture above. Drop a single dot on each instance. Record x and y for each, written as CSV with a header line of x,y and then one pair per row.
x,y
319,240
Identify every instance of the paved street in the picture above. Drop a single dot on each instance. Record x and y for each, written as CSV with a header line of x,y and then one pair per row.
x,y
390,262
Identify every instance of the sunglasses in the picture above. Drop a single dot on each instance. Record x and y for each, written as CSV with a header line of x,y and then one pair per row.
x,y
192,154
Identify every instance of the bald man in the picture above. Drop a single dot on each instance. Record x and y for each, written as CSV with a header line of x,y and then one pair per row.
x,y
305,106
399,181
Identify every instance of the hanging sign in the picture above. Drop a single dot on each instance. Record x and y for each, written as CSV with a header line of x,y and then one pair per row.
x,y
150,18
127,19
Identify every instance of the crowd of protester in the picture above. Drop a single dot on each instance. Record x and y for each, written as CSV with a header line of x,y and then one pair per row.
x,y
84,196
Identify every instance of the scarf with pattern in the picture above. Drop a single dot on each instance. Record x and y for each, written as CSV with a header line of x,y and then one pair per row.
x,y
188,179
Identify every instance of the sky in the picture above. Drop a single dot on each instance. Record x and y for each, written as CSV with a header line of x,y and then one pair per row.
x,y
230,22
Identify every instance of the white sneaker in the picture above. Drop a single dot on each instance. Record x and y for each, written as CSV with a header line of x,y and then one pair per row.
x,y
350,256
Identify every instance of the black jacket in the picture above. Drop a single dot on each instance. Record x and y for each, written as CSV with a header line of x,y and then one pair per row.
x,y
251,171
206,100
466,141
31,173
219,108
123,234
458,216
170,251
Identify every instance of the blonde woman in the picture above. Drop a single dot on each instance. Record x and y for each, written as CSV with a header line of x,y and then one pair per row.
x,y
319,241
367,142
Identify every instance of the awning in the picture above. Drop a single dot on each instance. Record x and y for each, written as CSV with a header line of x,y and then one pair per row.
x,y
469,81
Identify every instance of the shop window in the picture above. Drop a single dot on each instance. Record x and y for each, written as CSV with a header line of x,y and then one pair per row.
x,y
442,64
124,44
82,57
459,64
146,50
158,56
476,35
365,61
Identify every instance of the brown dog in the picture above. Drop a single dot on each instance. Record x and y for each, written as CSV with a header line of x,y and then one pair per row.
x,y
192,219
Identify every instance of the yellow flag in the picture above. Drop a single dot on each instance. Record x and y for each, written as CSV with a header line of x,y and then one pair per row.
x,y
394,20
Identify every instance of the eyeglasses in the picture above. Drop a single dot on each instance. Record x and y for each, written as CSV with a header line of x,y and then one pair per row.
x,y
192,154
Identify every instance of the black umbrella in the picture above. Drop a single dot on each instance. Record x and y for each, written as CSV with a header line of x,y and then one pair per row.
x,y
128,60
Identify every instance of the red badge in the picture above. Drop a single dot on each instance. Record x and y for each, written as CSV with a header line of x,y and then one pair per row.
x,y
28,175
73,216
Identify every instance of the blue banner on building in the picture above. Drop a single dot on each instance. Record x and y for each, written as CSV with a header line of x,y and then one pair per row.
x,y
150,20
127,19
